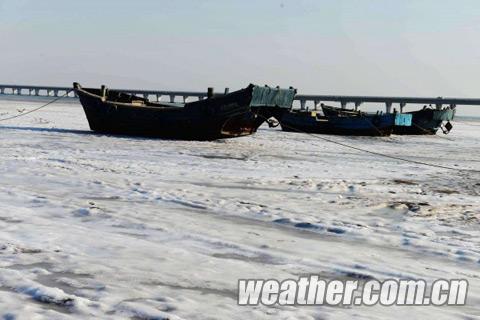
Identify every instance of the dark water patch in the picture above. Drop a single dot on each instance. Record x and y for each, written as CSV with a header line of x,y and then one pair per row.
x,y
308,226
283,221
258,258
105,198
183,203
355,275
10,220
141,236
405,181
221,157
359,267
336,230
252,204
446,191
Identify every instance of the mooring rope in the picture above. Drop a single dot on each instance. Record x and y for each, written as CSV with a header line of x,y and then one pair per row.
x,y
374,152
36,109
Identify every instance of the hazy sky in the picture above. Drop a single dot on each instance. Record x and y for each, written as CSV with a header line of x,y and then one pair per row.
x,y
381,47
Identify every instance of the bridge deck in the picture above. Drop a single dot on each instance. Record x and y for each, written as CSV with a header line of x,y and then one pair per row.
x,y
47,91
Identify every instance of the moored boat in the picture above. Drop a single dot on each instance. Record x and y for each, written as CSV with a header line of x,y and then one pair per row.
x,y
235,114
343,122
428,121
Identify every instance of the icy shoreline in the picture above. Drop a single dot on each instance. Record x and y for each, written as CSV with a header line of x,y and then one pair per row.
x,y
118,227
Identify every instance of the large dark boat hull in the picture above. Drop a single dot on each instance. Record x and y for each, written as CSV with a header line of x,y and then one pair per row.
x,y
426,122
220,117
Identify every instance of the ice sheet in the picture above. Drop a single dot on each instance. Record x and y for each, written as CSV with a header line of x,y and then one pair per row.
x,y
121,227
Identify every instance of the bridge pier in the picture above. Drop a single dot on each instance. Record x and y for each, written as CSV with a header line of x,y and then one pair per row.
x,y
402,105
172,98
302,104
343,104
316,104
388,107
357,105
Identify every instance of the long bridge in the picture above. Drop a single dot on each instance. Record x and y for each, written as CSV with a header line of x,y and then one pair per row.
x,y
185,96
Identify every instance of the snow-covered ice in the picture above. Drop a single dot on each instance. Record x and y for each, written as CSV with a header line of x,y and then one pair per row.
x,y
121,227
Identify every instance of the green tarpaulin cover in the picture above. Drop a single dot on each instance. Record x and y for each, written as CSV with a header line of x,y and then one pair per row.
x,y
272,97
444,115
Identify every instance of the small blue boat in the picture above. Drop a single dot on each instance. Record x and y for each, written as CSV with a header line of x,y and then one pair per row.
x,y
344,122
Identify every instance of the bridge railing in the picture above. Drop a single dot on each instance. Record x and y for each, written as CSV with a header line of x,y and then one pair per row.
x,y
46,91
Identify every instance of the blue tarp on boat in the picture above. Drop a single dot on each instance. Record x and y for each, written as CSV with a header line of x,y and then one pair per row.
x,y
403,119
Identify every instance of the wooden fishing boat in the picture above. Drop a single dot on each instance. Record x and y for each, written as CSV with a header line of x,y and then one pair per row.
x,y
427,122
231,115
424,122
343,122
